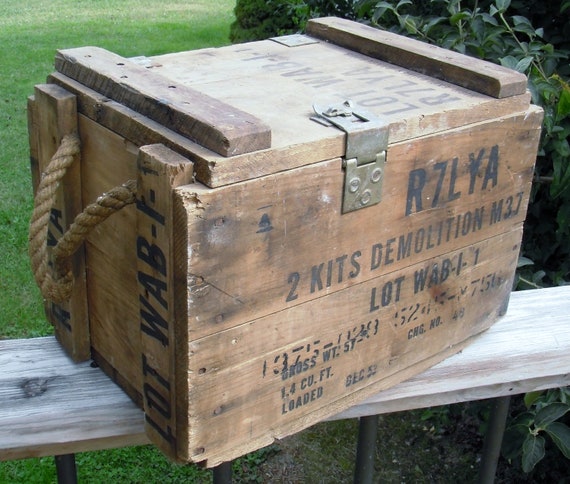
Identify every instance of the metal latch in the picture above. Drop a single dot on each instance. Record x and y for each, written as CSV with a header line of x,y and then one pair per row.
x,y
365,156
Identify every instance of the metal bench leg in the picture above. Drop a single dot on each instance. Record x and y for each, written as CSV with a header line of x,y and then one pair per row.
x,y
366,450
223,473
66,470
493,440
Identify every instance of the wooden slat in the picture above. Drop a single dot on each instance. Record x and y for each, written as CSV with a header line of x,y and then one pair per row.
x,y
52,115
51,406
204,119
162,294
475,74
33,140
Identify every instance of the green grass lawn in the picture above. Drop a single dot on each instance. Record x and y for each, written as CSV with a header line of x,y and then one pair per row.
x,y
30,33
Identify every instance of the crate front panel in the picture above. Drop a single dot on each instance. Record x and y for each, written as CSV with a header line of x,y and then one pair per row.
x,y
295,311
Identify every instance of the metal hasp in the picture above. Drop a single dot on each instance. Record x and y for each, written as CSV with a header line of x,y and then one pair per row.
x,y
365,156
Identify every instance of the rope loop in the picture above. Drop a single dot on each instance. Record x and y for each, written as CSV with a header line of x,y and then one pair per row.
x,y
57,285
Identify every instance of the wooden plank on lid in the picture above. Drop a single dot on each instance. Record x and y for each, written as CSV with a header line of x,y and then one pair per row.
x,y
475,74
208,121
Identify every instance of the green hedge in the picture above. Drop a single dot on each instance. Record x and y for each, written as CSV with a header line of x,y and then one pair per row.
x,y
259,19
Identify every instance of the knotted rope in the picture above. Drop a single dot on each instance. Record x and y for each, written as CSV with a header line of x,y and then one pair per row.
x,y
57,286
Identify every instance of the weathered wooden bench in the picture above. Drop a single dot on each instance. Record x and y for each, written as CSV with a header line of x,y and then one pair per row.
x,y
51,406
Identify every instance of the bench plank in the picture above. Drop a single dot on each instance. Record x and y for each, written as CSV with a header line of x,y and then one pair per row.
x,y
52,406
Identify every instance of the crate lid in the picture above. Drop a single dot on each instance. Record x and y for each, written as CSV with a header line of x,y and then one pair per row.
x,y
246,109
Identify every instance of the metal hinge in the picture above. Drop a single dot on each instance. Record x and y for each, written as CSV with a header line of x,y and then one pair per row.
x,y
365,155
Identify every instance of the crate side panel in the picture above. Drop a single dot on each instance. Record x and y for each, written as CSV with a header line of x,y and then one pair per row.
x,y
108,160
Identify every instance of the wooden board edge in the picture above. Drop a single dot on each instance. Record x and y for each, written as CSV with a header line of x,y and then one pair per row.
x,y
181,241
470,73
208,121
54,115
33,140
159,171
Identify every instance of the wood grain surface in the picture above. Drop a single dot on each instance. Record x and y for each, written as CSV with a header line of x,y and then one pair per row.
x,y
51,406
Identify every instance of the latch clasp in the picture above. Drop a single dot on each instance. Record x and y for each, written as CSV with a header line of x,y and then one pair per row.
x,y
365,155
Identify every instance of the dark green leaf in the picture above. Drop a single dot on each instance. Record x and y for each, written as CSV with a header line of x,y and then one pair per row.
x,y
489,19
525,418
509,61
404,2
532,451
386,5
379,13
534,91
538,276
563,219
564,394
513,439
432,23
563,149
550,413
529,397
409,23
522,24
523,64
502,5
561,167
560,434
519,20
563,107
458,17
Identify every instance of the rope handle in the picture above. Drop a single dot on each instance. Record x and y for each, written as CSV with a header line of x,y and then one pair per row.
x,y
57,287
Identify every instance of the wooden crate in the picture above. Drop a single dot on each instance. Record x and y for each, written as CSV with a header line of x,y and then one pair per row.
x,y
317,218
